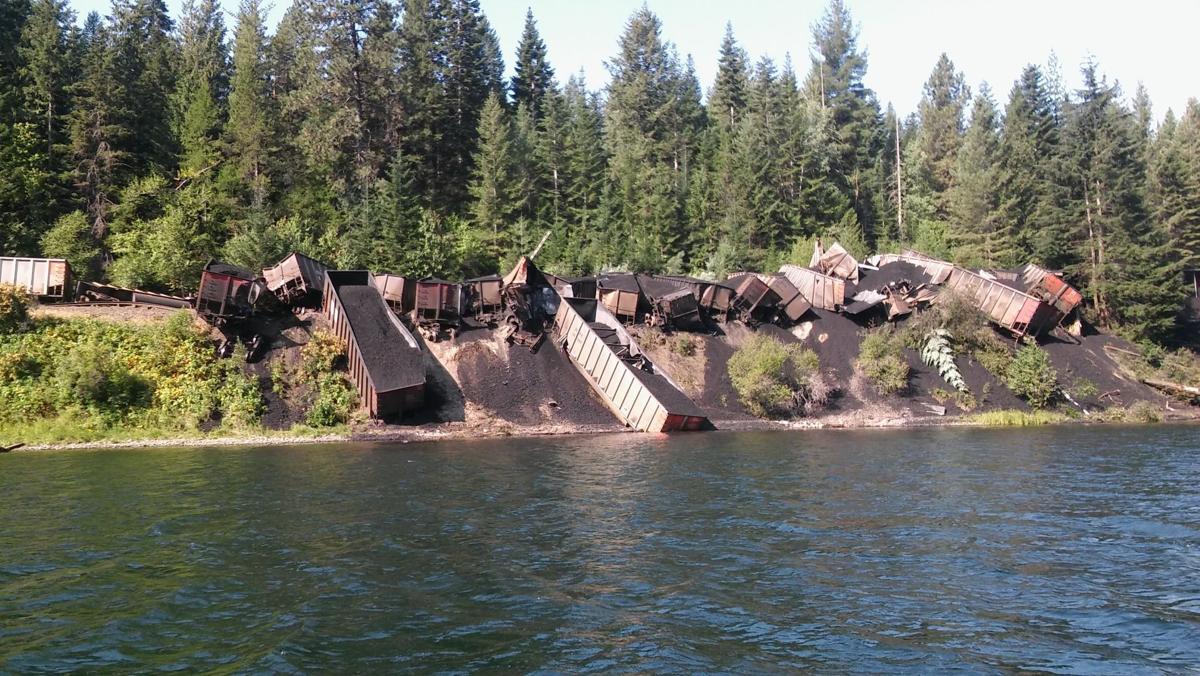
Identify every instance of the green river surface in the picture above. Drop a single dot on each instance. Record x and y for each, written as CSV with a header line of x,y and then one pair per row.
x,y
1063,549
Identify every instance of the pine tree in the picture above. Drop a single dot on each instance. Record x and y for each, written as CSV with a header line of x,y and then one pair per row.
x,y
97,125
1174,184
47,63
13,14
941,118
533,77
143,57
1028,173
493,186
1121,255
469,75
247,134
729,93
332,98
836,81
202,86
650,132
422,97
977,234
586,161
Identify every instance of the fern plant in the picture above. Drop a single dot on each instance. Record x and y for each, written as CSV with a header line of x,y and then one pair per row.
x,y
938,352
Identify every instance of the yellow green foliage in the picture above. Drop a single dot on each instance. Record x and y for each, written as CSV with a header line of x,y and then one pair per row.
x,y
1014,418
333,400
1031,376
101,379
773,379
880,360
14,308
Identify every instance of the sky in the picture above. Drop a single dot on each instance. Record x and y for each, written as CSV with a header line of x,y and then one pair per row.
x,y
1148,41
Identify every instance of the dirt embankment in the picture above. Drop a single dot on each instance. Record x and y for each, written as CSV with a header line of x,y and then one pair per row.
x,y
510,387
478,385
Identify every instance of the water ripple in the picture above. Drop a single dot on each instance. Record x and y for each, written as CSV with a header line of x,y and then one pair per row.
x,y
1063,551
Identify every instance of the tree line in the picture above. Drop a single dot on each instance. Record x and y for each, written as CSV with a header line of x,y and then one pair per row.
x,y
382,134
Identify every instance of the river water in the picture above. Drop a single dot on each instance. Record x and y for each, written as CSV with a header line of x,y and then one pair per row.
x,y
1059,549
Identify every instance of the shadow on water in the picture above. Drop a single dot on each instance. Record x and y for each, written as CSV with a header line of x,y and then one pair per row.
x,y
1057,549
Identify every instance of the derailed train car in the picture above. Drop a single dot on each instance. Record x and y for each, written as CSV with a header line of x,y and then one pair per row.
x,y
296,280
383,358
630,385
45,278
227,293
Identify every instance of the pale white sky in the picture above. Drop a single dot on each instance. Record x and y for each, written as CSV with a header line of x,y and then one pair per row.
x,y
1152,41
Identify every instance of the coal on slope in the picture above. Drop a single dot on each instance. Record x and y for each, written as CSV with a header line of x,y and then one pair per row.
x,y
391,361
523,387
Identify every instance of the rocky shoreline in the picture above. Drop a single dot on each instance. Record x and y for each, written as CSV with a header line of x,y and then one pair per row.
x,y
400,434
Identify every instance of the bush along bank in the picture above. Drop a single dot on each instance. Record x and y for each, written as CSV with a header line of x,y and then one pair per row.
x,y
80,380
84,380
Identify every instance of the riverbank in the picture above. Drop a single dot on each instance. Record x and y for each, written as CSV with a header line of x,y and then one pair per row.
x,y
464,431
111,380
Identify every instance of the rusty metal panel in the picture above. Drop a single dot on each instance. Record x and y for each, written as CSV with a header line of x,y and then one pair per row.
x,y
386,363
614,379
716,298
822,291
42,277
399,292
620,302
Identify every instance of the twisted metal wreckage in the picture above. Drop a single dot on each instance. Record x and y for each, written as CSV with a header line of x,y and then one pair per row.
x,y
584,317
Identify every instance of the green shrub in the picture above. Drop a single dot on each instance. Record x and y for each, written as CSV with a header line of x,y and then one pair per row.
x,y
334,402
992,352
1144,412
14,309
880,361
323,353
91,377
71,238
965,401
279,376
773,379
239,398
955,313
1082,388
83,380
1031,376
684,345
1180,366
1012,418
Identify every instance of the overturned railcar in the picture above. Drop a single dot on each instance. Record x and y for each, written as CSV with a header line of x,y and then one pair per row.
x,y
483,299
1015,311
792,304
572,287
822,291
673,303
95,292
296,280
400,293
1051,288
437,306
383,358
621,295
45,278
754,300
639,394
227,293
717,300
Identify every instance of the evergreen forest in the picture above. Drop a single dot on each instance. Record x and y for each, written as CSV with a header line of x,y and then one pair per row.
x,y
383,134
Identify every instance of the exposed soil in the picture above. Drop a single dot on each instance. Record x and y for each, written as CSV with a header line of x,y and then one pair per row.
x,y
511,383
1088,361
141,314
